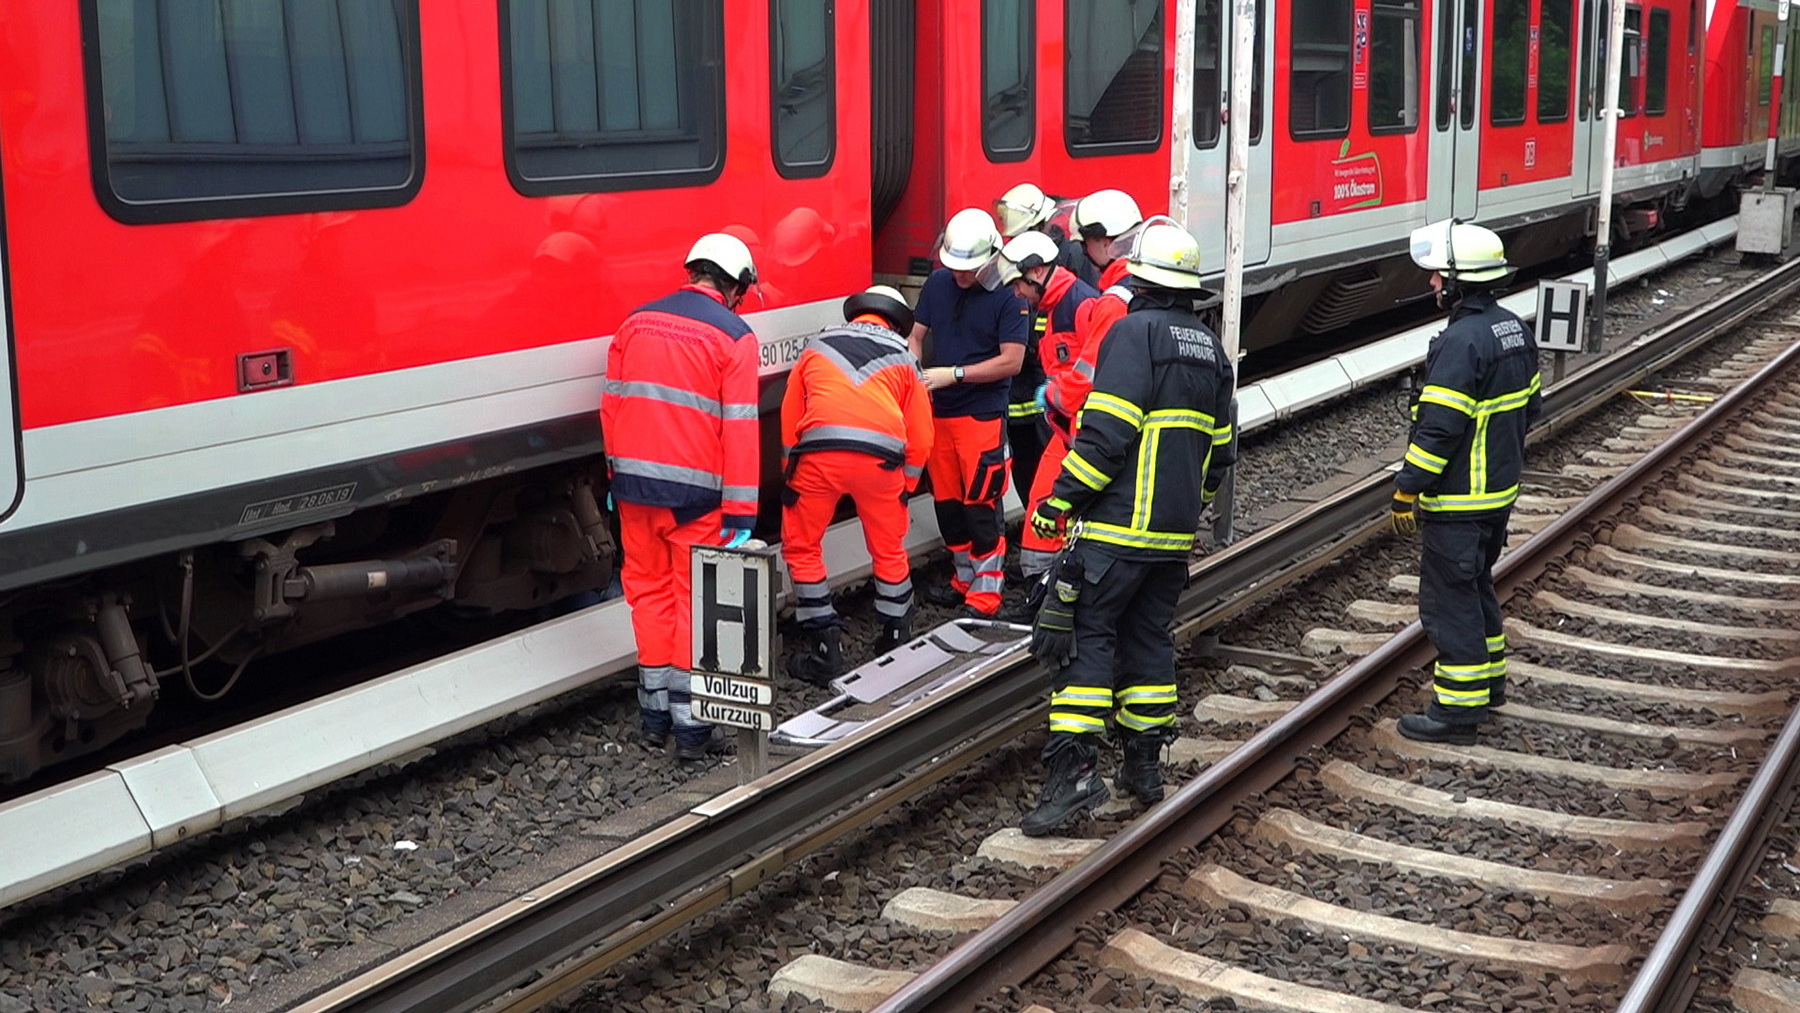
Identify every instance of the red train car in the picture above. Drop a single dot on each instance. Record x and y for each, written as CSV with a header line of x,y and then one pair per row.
x,y
1740,93
294,289
307,302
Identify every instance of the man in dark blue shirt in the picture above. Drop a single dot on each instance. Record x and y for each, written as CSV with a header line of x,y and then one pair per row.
x,y
977,330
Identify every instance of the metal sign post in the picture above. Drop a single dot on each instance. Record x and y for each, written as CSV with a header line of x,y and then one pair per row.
x,y
1609,147
1781,18
734,647
1237,207
1561,320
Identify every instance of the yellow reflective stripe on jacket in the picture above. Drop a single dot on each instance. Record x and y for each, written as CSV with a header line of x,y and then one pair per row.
x,y
1149,445
1425,459
1223,435
1469,501
1137,538
1179,418
1115,406
1454,400
1085,473
1022,410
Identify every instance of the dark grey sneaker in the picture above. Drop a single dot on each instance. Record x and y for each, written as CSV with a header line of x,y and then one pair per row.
x,y
717,743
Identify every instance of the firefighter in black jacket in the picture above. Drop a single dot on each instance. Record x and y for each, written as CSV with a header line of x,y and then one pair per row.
x,y
1154,441
1461,475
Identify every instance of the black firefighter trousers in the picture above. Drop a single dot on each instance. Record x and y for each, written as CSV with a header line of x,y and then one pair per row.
x,y
1461,612
1124,650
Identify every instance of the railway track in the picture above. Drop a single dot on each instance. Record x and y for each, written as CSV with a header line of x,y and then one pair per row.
x,y
600,915
1343,867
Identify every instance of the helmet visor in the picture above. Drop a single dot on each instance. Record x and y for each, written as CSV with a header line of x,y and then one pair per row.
x,y
963,260
1125,245
996,272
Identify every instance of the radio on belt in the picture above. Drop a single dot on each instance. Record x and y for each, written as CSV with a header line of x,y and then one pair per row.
x,y
734,646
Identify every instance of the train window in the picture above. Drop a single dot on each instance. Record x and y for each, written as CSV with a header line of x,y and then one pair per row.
x,y
1585,92
1555,49
1631,63
1212,76
1113,81
802,44
604,95
1765,67
1210,86
1008,81
1394,68
1656,77
1506,72
1470,53
1446,66
205,109
1319,69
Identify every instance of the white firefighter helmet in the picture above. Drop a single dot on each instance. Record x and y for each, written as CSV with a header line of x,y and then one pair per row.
x,y
727,254
1021,254
1459,251
1165,255
970,240
1021,208
1105,214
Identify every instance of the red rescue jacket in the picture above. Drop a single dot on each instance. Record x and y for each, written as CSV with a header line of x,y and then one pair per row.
x,y
1068,392
1060,348
679,408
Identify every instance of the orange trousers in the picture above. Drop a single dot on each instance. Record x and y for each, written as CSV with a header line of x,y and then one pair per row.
x,y
968,468
820,478
1036,552
657,575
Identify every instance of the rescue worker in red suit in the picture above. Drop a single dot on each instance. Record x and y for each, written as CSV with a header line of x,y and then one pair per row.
x,y
855,421
1026,210
1056,296
679,409
1105,220
977,330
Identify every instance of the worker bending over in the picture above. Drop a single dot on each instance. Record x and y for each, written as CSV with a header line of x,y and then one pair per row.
x,y
855,421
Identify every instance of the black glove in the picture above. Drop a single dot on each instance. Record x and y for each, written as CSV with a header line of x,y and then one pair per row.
x,y
1053,638
1405,516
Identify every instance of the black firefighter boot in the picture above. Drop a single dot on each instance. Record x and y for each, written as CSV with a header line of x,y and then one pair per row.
x,y
894,633
818,658
1140,772
1074,785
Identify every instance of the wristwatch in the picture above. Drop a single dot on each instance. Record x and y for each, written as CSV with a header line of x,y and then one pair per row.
x,y
958,373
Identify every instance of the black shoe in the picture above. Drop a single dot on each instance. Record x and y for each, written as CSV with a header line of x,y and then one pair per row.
x,y
1497,692
654,738
817,655
942,595
1140,772
718,742
1020,610
894,634
1074,785
971,612
1425,728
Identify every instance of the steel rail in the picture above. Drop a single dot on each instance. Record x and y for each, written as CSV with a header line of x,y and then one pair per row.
x,y
1048,922
597,906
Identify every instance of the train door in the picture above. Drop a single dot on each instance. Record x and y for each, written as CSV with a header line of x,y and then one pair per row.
x,y
1455,119
1213,38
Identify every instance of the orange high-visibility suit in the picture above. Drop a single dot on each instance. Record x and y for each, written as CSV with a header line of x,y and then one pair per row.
x,y
679,413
